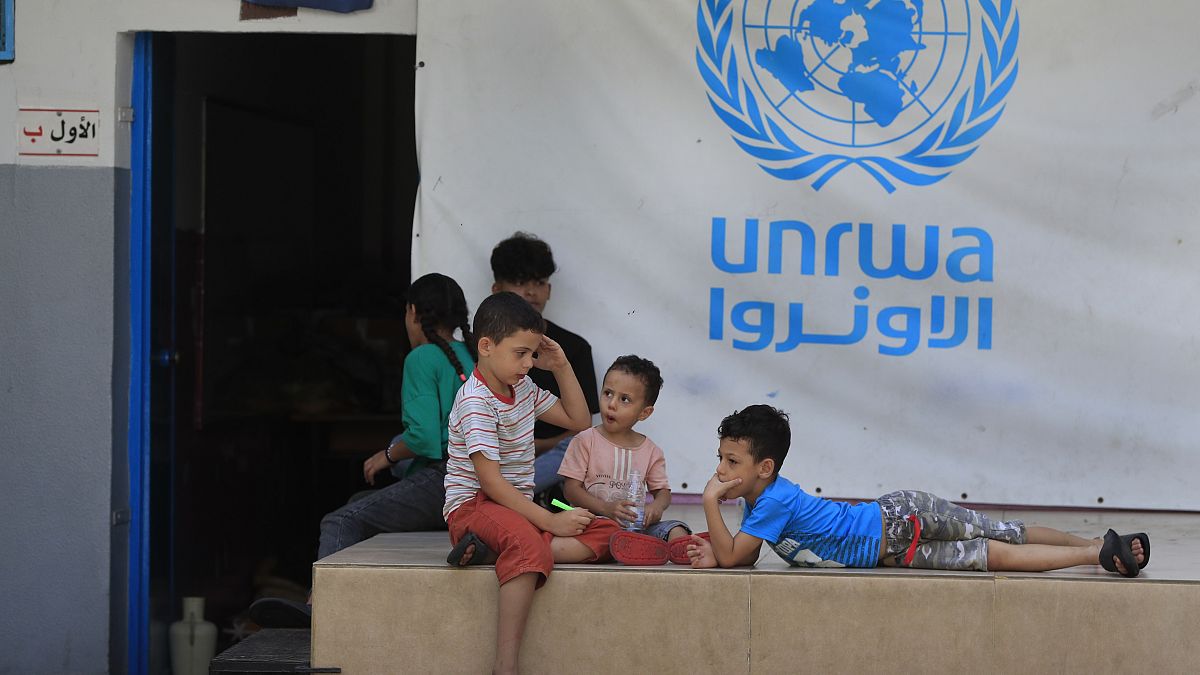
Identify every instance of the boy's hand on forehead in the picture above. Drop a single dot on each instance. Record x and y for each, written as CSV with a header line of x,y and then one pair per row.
x,y
549,355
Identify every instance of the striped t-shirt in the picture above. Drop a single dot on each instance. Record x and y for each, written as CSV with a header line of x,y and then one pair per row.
x,y
501,427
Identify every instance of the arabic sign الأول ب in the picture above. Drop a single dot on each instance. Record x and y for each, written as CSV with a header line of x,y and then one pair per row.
x,y
58,132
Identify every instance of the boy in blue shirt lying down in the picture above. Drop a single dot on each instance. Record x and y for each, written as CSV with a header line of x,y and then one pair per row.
x,y
900,529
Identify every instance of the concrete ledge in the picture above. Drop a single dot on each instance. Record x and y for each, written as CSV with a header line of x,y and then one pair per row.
x,y
391,604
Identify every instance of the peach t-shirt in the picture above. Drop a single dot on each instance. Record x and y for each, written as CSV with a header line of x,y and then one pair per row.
x,y
604,468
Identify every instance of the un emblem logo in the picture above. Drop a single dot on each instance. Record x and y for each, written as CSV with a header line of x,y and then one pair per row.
x,y
903,89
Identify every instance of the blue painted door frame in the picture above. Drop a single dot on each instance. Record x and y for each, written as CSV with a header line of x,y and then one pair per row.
x,y
138,622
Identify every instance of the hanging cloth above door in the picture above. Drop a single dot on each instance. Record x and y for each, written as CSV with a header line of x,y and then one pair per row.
x,y
331,5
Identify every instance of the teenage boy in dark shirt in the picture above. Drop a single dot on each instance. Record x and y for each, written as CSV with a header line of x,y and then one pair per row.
x,y
523,264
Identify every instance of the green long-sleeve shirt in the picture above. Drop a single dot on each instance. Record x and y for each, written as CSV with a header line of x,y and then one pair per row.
x,y
427,394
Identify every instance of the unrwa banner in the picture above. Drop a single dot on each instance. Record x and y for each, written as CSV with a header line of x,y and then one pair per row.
x,y
954,240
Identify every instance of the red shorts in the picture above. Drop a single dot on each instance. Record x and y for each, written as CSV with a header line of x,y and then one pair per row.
x,y
520,545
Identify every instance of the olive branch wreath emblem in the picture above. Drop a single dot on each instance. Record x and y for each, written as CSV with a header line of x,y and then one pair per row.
x,y
948,144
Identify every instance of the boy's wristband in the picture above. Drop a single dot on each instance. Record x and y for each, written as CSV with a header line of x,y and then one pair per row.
x,y
387,452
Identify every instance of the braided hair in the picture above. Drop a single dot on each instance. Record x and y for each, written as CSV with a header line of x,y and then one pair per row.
x,y
439,303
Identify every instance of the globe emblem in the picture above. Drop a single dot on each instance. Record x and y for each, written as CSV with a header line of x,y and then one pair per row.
x,y
857,73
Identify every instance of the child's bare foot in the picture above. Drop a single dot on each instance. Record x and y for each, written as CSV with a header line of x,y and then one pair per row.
x,y
1138,555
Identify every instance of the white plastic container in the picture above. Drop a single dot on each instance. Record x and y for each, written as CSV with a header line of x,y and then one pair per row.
x,y
193,640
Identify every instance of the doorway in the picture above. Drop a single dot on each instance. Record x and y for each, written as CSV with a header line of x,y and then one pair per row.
x,y
283,185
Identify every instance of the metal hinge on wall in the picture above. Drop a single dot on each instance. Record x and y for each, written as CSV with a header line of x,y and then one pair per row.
x,y
125,115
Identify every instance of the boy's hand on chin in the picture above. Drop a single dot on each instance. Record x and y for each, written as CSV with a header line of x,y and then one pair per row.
x,y
549,355
717,489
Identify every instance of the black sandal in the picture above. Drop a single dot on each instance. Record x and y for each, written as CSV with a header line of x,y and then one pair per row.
x,y
1116,545
477,557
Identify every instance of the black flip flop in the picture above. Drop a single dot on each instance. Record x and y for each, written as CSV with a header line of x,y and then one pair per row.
x,y
280,613
1140,536
1115,545
477,558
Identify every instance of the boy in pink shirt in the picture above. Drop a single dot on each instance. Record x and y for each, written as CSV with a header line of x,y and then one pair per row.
x,y
600,461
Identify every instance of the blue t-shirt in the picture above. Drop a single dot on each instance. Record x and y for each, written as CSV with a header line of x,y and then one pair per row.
x,y
814,532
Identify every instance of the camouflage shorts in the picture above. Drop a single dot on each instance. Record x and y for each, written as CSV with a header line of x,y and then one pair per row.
x,y
952,537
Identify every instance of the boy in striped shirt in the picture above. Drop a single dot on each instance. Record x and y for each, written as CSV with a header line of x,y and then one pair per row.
x,y
489,474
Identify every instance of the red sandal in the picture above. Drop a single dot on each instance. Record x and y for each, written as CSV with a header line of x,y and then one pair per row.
x,y
634,548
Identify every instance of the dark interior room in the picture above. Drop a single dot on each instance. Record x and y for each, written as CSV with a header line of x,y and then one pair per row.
x,y
284,178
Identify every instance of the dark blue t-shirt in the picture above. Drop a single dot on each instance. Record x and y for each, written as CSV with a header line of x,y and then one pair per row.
x,y
814,532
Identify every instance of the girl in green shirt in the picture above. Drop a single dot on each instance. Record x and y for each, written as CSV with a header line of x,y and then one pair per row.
x,y
433,371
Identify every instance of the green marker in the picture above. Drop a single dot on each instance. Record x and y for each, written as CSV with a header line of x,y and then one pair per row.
x,y
564,507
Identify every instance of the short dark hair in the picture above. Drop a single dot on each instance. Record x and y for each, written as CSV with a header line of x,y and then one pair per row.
x,y
766,428
522,257
644,370
503,314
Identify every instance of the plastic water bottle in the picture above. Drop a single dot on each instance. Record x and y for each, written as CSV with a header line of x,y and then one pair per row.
x,y
637,495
